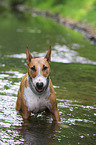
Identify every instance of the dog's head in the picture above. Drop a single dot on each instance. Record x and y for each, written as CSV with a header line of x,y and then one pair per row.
x,y
38,71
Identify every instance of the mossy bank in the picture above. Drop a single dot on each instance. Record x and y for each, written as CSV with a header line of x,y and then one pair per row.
x,y
80,11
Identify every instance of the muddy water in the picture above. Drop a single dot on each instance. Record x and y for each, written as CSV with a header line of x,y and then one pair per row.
x,y
73,73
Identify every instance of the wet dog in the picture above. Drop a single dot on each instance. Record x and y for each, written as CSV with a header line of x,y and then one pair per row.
x,y
36,92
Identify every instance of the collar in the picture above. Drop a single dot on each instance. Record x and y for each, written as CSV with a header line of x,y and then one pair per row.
x,y
33,88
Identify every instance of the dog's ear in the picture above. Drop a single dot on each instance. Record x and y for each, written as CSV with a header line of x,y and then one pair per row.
x,y
48,55
28,56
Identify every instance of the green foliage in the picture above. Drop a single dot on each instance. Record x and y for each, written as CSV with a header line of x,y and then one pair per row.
x,y
75,9
56,2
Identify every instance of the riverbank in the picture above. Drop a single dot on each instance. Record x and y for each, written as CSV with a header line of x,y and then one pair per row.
x,y
77,14
88,32
61,17
77,10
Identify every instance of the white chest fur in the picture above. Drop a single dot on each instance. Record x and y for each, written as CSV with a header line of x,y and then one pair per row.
x,y
37,103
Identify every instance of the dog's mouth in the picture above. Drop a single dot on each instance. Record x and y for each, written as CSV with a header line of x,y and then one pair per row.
x,y
39,87
39,90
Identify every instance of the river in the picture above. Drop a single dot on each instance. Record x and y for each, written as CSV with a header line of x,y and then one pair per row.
x,y
73,73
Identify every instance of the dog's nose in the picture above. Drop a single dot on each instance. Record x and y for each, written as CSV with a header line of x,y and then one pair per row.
x,y
39,85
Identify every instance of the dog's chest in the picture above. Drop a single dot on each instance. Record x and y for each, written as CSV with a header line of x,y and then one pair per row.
x,y
36,103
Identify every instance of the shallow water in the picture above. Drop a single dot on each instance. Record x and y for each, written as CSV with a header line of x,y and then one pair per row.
x,y
73,73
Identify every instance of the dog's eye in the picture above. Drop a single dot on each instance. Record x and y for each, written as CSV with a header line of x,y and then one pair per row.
x,y
33,68
44,68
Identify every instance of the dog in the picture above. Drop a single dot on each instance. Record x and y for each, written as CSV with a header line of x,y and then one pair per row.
x,y
36,92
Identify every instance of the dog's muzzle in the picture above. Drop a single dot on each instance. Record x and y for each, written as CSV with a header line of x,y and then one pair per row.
x,y
39,87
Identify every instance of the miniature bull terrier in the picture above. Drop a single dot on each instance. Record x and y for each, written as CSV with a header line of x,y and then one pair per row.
x,y
36,92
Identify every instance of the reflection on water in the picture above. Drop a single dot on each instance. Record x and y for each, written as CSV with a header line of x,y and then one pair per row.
x,y
75,84
39,131
74,110
59,54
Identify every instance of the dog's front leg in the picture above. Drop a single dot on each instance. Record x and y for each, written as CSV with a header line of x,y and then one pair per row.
x,y
18,102
25,112
55,114
54,109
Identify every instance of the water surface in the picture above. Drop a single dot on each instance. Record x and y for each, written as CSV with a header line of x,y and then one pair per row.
x,y
73,73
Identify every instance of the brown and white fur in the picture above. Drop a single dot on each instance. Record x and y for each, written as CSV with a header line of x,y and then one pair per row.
x,y
36,92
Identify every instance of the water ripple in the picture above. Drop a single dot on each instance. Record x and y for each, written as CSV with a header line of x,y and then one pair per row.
x,y
59,54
